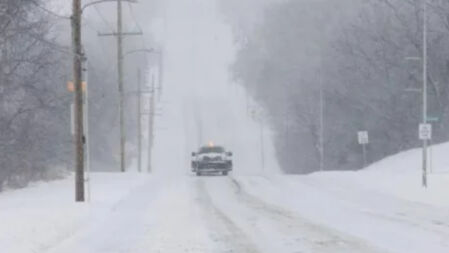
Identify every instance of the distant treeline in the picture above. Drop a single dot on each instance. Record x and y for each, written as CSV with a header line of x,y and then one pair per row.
x,y
33,100
365,58
35,66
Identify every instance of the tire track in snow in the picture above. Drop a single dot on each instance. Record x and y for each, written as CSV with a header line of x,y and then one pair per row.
x,y
311,235
228,233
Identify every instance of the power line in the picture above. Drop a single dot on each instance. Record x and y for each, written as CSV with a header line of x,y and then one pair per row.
x,y
86,23
134,17
49,11
103,18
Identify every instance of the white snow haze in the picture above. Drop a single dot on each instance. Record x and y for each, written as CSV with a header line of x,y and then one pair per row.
x,y
201,102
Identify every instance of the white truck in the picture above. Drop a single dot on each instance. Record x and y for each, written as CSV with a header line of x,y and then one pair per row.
x,y
211,159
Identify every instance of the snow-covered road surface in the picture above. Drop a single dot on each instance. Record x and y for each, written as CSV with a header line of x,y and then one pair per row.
x,y
226,219
199,214
275,228
221,214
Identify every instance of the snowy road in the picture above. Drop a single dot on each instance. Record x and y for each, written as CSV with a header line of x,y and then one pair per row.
x,y
274,228
206,214
326,212
227,214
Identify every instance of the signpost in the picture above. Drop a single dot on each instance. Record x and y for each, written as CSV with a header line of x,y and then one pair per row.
x,y
425,134
363,139
425,131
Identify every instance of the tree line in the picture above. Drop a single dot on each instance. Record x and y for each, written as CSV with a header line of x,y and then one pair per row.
x,y
33,118
350,60
35,66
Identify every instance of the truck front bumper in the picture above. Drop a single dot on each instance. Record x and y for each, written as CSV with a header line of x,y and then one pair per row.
x,y
214,166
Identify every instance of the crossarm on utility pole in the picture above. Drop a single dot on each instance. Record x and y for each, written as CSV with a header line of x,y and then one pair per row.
x,y
121,34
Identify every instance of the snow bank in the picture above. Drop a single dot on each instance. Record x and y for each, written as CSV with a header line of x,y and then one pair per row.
x,y
384,204
400,175
36,218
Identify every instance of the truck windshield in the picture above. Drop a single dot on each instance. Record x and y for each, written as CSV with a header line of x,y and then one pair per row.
x,y
211,150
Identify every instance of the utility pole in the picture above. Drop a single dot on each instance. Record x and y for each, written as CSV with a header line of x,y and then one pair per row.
x,y
151,121
424,94
139,120
287,135
86,127
161,73
262,146
120,85
322,110
77,80
321,128
119,34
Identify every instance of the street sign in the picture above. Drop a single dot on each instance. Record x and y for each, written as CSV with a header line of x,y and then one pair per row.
x,y
363,137
433,119
425,131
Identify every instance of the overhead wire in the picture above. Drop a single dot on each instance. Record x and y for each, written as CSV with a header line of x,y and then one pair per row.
x,y
134,17
68,17
49,11
67,50
103,18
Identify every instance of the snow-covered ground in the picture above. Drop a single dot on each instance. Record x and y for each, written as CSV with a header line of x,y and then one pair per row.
x,y
380,209
44,215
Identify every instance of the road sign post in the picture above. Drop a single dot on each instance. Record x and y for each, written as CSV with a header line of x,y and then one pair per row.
x,y
425,134
425,131
363,139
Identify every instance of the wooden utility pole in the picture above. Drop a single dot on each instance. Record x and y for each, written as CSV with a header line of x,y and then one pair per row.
x,y
120,85
119,34
262,147
151,121
424,95
77,80
139,120
161,73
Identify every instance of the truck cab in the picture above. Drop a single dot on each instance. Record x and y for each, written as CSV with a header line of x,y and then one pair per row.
x,y
211,159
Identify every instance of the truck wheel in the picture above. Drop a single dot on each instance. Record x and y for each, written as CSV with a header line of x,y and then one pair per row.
x,y
225,173
198,173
